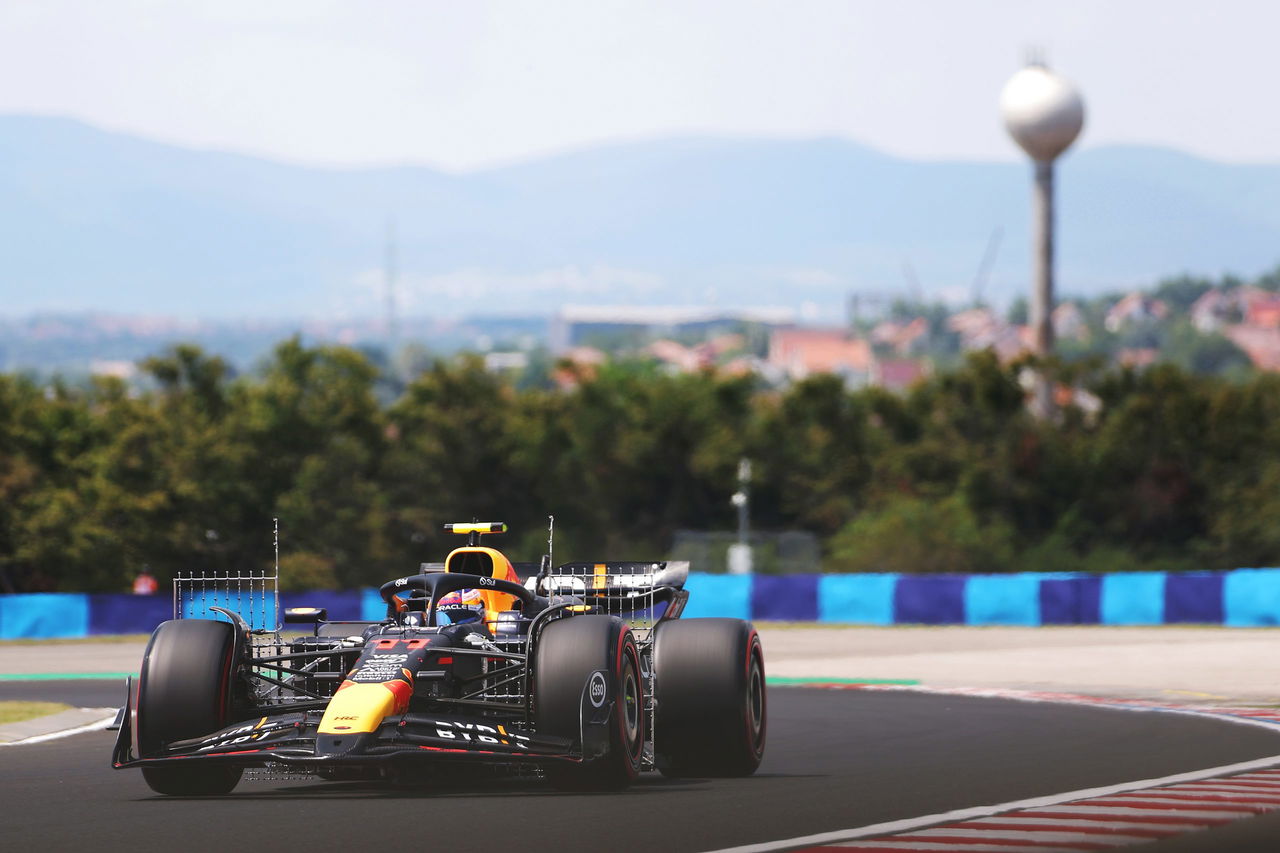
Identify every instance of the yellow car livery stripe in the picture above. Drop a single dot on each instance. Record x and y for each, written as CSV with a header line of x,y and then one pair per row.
x,y
357,708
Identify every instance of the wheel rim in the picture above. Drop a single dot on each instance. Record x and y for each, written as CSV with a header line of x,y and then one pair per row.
x,y
630,705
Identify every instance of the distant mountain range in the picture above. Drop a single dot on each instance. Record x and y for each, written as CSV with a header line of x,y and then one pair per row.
x,y
91,220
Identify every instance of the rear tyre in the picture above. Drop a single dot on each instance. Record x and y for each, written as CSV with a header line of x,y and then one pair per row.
x,y
184,691
568,653
711,703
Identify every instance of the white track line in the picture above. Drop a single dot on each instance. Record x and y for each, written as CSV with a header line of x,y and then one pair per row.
x,y
1231,715
896,826
88,727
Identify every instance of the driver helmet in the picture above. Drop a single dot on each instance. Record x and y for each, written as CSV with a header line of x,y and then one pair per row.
x,y
463,605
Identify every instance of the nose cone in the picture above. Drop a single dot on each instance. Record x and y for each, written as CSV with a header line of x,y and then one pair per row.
x,y
1042,112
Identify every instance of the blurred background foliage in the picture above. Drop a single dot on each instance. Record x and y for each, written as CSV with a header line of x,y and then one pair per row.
x,y
1167,470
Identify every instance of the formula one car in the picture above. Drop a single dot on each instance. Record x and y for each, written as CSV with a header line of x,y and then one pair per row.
x,y
584,675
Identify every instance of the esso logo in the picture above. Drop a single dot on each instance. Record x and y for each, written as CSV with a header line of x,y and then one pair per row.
x,y
597,689
402,581
487,582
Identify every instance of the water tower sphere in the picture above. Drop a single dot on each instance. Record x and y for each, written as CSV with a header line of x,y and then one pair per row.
x,y
1042,112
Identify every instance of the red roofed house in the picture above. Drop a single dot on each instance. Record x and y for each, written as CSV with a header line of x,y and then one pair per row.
x,y
801,352
898,375
903,338
1069,323
1263,313
1261,345
676,354
1137,307
1212,310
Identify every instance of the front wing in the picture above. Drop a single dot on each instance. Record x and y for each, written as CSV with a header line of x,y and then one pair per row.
x,y
291,738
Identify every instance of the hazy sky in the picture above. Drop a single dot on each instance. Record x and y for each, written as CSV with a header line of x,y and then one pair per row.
x,y
466,83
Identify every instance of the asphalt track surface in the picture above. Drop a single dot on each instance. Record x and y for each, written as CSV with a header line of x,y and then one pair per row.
x,y
835,760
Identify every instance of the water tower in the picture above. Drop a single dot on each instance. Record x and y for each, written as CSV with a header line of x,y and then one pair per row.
x,y
1044,114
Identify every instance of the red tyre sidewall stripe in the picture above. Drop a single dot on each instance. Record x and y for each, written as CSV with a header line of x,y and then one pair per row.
x,y
755,747
633,753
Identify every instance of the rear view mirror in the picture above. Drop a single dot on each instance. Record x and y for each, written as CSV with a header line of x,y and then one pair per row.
x,y
305,615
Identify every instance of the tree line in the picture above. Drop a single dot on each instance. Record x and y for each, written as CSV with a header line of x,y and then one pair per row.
x,y
1166,470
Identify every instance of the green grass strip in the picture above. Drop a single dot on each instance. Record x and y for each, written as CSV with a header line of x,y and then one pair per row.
x,y
17,712
802,682
63,676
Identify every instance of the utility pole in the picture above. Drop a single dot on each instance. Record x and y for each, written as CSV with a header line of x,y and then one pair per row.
x,y
740,556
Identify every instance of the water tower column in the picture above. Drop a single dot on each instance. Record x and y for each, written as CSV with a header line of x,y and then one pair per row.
x,y
1042,295
1044,114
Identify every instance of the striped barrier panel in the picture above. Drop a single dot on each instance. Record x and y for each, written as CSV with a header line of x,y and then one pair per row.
x,y
1239,598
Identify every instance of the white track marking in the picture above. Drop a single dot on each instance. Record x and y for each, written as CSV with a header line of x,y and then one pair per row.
x,y
1141,801
1231,788
1267,720
1207,792
1177,799
89,727
1191,814
1028,835
1039,803
1083,824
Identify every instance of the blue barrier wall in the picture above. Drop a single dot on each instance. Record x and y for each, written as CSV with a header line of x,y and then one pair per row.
x,y
1071,600
997,600
44,615
1241,598
864,599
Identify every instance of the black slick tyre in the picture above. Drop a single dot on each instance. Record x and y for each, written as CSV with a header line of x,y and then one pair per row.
x,y
184,691
709,685
569,653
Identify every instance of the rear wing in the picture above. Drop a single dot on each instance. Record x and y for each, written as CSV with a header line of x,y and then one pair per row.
x,y
643,594
614,578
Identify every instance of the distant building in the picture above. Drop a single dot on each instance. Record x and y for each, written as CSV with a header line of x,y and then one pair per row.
x,y
799,352
1136,308
497,362
1261,345
902,338
676,355
975,323
577,324
1246,295
1069,323
1138,357
898,375
114,368
1213,310
982,328
1247,304
682,359
1263,313
577,364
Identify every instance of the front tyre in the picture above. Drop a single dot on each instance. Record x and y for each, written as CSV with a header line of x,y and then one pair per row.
x,y
569,654
184,691
711,703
